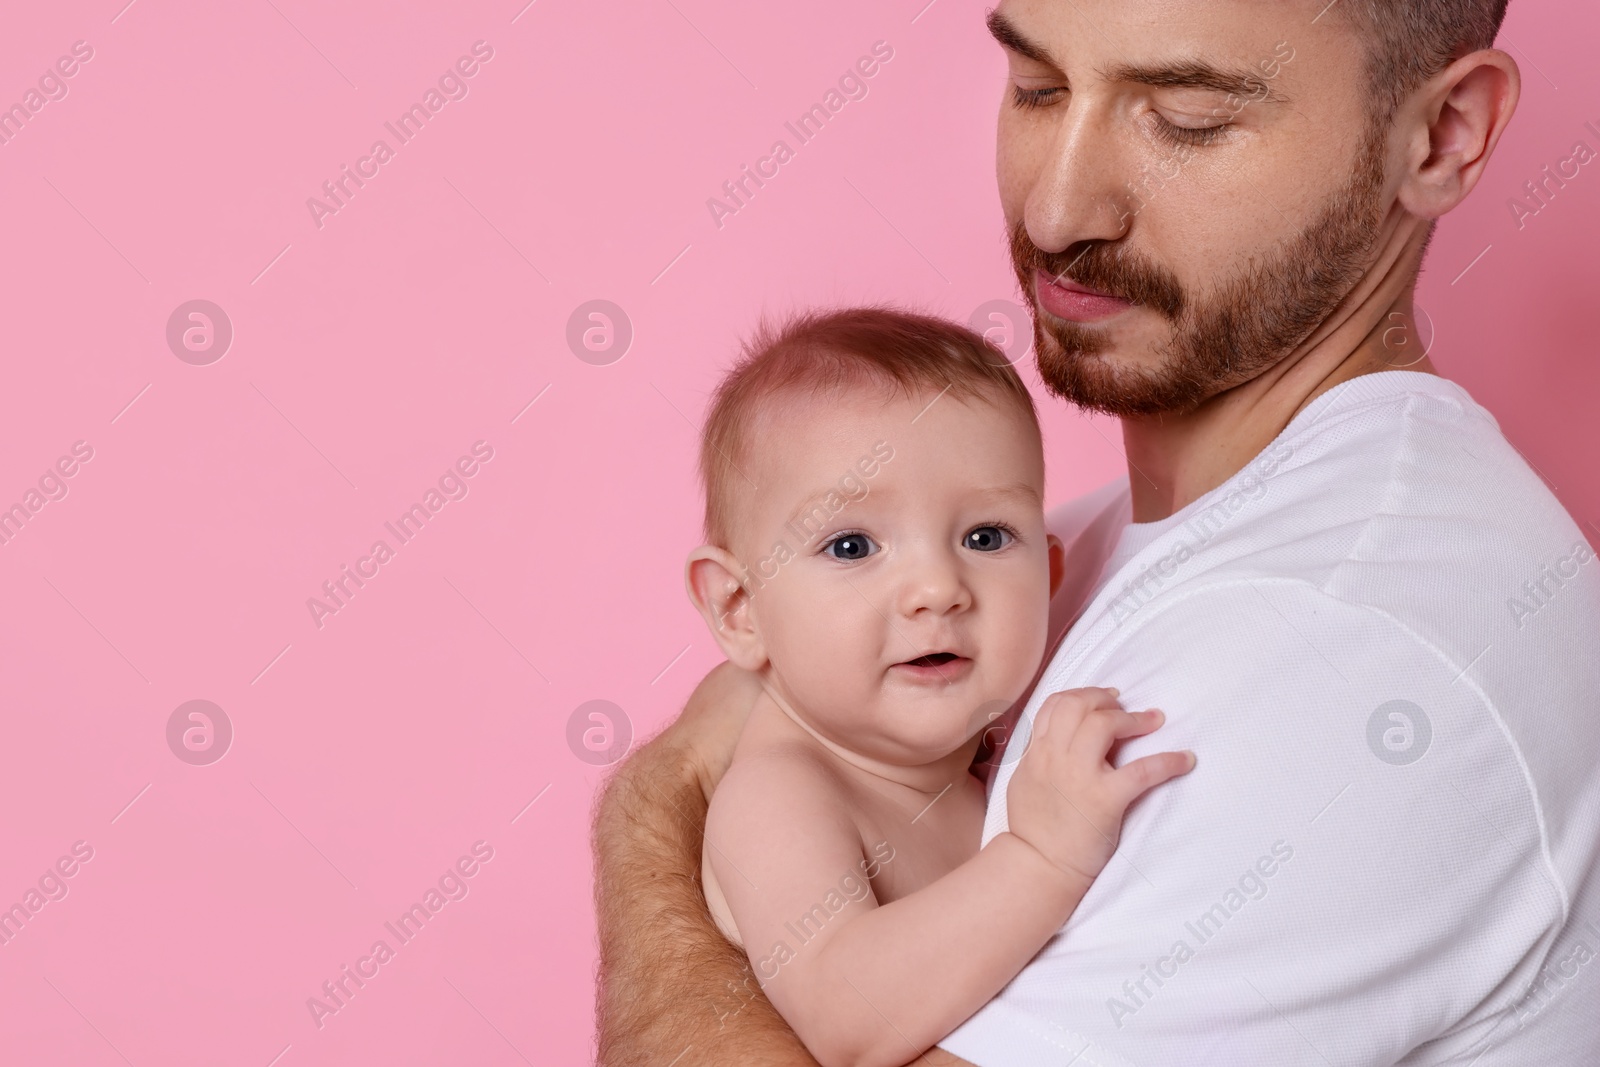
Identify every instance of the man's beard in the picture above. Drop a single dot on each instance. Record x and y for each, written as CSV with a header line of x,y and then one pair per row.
x,y
1249,324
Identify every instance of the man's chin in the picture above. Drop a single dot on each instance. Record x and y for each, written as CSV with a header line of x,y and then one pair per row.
x,y
1090,372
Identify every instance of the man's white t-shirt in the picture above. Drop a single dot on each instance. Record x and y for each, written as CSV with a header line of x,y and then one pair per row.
x,y
1382,641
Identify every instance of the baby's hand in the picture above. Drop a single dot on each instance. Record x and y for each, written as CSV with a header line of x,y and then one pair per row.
x,y
1066,799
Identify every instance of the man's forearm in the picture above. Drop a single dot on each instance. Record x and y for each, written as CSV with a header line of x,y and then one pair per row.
x,y
669,982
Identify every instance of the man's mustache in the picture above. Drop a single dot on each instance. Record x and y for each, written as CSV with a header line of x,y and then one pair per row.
x,y
1101,266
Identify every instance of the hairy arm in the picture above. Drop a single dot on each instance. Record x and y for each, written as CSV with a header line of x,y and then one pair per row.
x,y
668,981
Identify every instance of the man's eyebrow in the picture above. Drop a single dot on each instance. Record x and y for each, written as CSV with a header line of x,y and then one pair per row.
x,y
1187,74
1005,31
1197,74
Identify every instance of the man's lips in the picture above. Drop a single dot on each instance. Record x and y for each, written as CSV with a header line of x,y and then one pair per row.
x,y
1066,299
940,667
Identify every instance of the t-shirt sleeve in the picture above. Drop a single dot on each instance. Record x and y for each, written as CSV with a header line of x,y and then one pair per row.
x,y
1354,869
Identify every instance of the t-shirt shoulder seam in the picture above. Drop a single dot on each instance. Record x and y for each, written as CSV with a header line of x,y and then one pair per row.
x,y
1455,398
1506,735
1164,605
1390,481
1391,486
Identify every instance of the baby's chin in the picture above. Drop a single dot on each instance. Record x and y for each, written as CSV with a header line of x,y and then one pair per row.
x,y
927,725
915,716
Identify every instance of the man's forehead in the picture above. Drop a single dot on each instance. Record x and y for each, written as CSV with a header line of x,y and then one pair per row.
x,y
1170,44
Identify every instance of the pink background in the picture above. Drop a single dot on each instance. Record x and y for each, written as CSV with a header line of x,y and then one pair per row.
x,y
368,354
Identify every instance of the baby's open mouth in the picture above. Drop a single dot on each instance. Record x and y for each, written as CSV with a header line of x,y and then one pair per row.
x,y
933,659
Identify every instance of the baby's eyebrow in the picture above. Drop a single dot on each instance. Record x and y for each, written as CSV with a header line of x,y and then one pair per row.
x,y
811,502
1024,491
1014,489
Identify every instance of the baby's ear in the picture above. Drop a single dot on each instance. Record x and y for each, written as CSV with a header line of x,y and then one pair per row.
x,y
711,576
1058,563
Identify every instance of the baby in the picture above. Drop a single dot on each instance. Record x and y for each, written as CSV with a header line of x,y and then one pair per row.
x,y
876,551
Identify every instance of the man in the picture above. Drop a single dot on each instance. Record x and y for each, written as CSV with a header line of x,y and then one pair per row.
x,y
1370,620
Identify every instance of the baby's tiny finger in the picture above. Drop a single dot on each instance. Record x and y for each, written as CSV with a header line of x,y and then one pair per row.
x,y
1042,717
1148,772
1138,723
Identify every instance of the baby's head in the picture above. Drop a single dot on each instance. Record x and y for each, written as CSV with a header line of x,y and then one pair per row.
x,y
875,530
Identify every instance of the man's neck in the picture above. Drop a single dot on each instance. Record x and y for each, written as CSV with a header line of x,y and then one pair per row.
x,y
1173,460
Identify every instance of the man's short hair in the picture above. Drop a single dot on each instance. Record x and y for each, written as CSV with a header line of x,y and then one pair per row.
x,y
822,353
1412,40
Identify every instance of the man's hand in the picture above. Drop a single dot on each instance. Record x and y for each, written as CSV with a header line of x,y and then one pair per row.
x,y
670,987
709,726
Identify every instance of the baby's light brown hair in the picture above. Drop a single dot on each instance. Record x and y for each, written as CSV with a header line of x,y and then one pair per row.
x,y
821,353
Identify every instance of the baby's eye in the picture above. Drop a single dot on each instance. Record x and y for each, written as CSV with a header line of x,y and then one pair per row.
x,y
987,539
850,546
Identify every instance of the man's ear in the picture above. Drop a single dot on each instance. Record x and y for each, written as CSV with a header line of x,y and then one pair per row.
x,y
1452,126
711,577
1058,563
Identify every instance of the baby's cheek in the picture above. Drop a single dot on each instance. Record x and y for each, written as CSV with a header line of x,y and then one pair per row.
x,y
838,667
1017,635
827,663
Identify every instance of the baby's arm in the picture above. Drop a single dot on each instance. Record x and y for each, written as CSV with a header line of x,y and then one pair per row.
x,y
873,984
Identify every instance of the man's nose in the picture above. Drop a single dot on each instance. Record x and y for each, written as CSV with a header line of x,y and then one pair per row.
x,y
1082,189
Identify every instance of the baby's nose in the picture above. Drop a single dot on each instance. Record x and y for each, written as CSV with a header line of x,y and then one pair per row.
x,y
936,584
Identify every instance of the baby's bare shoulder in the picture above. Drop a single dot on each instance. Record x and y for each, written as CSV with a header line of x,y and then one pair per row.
x,y
778,785
787,767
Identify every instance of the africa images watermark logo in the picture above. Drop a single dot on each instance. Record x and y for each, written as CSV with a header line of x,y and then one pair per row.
x,y
52,85
1562,969
52,485
599,332
851,85
50,887
1248,486
599,732
451,85
1552,578
453,885
452,485
1539,193
1153,180
199,332
199,732
853,885
806,527
1399,732
1203,929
